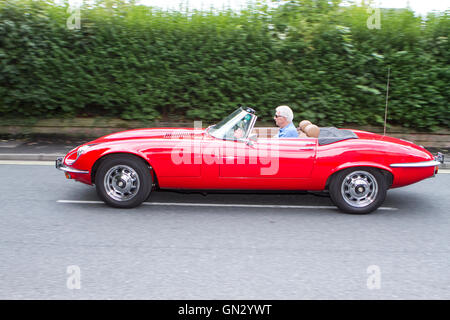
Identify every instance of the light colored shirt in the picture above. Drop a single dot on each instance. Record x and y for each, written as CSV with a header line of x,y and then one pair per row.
x,y
290,131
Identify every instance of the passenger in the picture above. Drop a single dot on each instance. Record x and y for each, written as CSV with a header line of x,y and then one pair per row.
x,y
283,119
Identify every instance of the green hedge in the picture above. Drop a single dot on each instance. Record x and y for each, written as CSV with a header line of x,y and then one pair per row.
x,y
138,62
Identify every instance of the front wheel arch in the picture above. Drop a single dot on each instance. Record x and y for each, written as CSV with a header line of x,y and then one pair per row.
x,y
106,156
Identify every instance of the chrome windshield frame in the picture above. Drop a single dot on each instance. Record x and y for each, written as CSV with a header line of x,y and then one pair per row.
x,y
221,132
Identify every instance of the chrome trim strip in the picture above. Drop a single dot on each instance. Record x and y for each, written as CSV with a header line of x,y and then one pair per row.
x,y
423,164
307,144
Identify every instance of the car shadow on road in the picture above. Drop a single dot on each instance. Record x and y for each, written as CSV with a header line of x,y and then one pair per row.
x,y
397,202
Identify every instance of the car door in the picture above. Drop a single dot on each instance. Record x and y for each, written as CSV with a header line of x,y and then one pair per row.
x,y
178,158
268,159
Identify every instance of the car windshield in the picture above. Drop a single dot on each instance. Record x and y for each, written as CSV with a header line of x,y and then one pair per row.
x,y
235,126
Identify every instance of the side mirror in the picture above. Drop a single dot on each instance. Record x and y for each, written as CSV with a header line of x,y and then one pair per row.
x,y
250,141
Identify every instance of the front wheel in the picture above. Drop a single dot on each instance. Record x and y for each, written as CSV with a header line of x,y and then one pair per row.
x,y
123,181
358,190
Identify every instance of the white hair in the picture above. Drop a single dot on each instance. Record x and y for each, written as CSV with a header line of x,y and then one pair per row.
x,y
286,112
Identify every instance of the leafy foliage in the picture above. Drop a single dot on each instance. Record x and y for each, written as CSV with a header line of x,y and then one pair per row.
x,y
138,62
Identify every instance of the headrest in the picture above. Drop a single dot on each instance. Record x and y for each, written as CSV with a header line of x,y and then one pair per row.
x,y
302,125
312,131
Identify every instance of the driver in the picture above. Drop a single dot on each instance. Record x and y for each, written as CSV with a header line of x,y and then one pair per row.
x,y
239,129
239,133
283,119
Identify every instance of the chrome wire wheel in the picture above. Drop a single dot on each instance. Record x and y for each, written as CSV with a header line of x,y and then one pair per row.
x,y
359,189
121,183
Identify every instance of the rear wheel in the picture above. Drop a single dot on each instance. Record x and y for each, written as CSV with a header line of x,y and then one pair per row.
x,y
358,190
123,181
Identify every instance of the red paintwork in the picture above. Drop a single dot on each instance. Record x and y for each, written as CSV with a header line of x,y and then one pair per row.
x,y
298,169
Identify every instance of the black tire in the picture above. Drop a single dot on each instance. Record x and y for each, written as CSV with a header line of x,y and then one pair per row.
x,y
363,191
128,171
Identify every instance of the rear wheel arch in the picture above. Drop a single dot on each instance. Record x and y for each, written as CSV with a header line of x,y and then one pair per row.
x,y
115,154
387,174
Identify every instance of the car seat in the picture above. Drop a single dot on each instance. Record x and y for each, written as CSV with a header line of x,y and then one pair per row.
x,y
312,131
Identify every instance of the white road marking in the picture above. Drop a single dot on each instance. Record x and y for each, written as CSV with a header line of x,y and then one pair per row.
x,y
236,205
80,201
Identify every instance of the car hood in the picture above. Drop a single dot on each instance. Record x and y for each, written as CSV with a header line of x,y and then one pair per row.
x,y
153,133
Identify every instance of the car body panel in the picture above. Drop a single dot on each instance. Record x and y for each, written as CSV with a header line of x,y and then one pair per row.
x,y
187,158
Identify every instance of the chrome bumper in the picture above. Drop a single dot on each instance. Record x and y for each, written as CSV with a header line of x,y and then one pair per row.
x,y
438,160
439,157
59,164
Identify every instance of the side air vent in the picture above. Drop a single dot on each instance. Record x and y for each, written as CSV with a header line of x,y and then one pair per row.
x,y
178,135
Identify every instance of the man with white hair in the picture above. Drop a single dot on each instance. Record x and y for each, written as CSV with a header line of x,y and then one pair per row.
x,y
283,118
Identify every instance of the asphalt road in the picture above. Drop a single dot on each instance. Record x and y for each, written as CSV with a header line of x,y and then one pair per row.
x,y
218,252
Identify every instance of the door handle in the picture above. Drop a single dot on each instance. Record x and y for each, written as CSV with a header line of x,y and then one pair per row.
x,y
306,148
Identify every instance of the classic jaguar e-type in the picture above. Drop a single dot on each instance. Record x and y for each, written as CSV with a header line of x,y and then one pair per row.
x,y
355,167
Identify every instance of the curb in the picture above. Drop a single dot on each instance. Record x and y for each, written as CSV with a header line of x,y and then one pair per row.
x,y
53,156
30,156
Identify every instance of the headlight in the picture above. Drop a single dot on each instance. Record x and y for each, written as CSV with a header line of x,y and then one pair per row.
x,y
82,149
70,158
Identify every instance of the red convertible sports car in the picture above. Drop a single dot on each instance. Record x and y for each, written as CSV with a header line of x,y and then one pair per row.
x,y
355,167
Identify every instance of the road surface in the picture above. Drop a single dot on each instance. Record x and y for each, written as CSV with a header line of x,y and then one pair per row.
x,y
58,242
